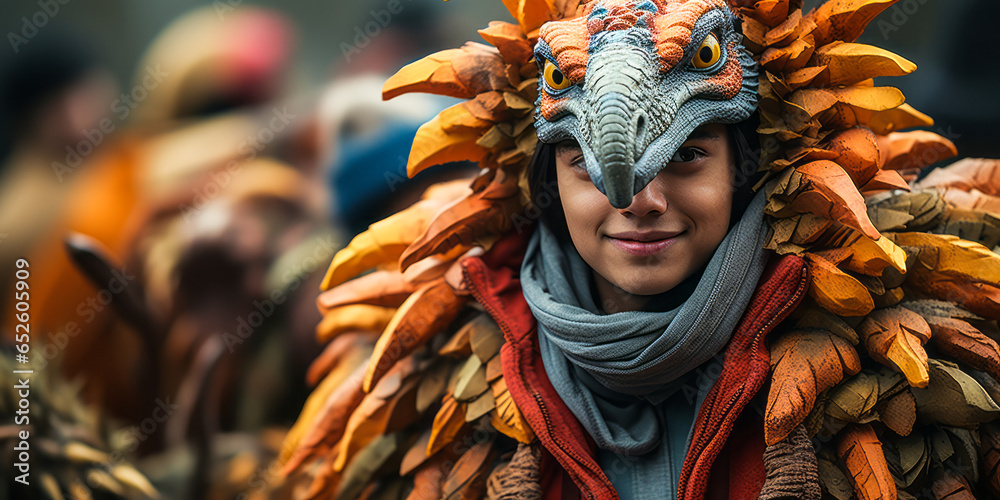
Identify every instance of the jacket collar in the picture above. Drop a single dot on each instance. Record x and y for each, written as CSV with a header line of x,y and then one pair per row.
x,y
493,280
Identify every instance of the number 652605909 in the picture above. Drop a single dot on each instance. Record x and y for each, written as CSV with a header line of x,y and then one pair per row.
x,y
21,306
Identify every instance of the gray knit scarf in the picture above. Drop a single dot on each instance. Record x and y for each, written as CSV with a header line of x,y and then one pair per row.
x,y
637,353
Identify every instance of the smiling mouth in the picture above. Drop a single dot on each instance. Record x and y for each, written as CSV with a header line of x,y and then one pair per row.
x,y
643,244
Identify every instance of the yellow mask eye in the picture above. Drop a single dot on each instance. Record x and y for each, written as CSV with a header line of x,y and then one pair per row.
x,y
708,53
554,78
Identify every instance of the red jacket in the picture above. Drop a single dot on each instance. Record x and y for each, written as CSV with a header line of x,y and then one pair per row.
x,y
720,463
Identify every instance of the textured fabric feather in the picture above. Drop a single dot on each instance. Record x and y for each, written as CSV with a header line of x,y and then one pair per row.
x,y
792,470
519,479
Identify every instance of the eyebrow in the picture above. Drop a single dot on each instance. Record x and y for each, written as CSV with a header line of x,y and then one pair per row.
x,y
702,133
566,147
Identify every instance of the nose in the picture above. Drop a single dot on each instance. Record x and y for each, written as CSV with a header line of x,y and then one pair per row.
x,y
652,199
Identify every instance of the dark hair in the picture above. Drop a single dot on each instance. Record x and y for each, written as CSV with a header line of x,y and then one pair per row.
x,y
542,179
745,143
743,140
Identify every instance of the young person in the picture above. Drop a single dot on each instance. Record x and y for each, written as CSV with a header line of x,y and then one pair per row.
x,y
651,302
634,307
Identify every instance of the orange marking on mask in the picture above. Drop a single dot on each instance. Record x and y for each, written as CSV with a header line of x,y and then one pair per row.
x,y
726,84
568,41
672,28
551,106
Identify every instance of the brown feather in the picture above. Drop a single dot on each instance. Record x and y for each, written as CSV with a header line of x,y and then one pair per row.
x,y
804,363
472,221
448,423
860,454
380,288
894,337
423,315
467,479
330,422
395,394
962,341
989,450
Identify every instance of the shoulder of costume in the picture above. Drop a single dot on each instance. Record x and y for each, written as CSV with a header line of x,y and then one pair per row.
x,y
890,365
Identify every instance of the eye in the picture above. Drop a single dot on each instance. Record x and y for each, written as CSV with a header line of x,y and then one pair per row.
x,y
554,78
708,53
684,155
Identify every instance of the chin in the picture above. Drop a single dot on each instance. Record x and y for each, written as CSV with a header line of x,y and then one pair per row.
x,y
647,285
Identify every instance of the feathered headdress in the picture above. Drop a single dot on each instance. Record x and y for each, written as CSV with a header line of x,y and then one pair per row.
x,y
892,283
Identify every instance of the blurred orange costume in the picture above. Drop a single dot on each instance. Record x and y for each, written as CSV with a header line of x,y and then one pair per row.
x,y
155,161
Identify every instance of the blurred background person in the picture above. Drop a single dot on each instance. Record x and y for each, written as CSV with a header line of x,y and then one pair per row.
x,y
365,143
178,122
53,95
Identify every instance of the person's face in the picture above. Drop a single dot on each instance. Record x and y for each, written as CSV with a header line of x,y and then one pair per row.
x,y
673,225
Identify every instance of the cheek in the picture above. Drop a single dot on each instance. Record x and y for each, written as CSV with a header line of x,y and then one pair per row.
x,y
718,218
710,205
584,207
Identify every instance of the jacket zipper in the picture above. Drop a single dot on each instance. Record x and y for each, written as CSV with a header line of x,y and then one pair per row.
x,y
505,328
558,442
753,348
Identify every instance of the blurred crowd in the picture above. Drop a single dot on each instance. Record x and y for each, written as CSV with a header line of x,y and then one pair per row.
x,y
177,227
